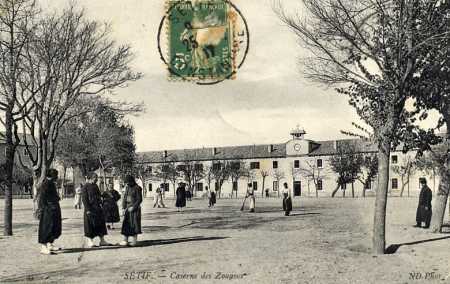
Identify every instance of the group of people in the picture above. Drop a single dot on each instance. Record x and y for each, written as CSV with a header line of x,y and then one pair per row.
x,y
99,209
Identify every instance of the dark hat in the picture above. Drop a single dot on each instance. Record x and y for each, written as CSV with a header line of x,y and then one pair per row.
x,y
129,179
52,173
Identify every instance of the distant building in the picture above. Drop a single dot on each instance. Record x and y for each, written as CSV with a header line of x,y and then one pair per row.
x,y
292,162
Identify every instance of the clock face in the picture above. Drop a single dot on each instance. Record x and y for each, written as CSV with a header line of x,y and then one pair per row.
x,y
297,147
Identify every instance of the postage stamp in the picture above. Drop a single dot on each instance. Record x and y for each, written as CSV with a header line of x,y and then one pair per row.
x,y
201,41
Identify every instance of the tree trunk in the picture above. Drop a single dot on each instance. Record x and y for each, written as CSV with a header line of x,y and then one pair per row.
x,y
353,190
403,188
335,190
343,193
440,203
9,168
443,191
379,224
262,189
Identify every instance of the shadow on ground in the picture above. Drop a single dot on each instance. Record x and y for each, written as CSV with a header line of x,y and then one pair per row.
x,y
144,243
393,248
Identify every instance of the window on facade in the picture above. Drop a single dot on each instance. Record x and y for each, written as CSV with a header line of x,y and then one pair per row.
x,y
235,186
275,164
296,164
255,185
198,167
235,165
165,168
181,167
199,186
166,186
148,169
319,163
150,187
254,165
216,166
394,183
394,159
25,152
275,185
319,184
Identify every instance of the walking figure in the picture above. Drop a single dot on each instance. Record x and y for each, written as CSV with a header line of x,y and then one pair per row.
x,y
424,211
94,220
49,213
131,204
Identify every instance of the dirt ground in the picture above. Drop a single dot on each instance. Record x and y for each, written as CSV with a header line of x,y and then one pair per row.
x,y
324,241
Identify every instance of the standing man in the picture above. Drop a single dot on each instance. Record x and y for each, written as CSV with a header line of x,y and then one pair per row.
x,y
49,213
287,200
94,220
424,211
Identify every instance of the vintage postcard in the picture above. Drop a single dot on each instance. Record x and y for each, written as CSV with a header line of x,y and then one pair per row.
x,y
224,141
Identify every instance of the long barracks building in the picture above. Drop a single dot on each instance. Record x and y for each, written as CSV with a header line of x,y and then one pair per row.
x,y
304,164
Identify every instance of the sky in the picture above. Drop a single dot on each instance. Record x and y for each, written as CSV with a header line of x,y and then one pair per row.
x,y
268,98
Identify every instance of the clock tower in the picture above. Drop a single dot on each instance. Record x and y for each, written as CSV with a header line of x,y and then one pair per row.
x,y
297,145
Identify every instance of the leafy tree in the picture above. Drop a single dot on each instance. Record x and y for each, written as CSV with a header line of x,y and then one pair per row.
x,y
347,164
374,52
369,171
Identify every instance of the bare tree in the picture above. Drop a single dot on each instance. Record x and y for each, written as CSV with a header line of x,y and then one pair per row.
x,y
312,172
278,175
76,58
405,169
221,173
372,51
238,169
16,28
264,174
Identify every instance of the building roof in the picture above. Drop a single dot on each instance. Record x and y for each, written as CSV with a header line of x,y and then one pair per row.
x,y
216,153
323,148
329,147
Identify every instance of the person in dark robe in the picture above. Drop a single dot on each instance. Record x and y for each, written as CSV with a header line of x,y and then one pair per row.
x,y
287,200
424,212
131,204
49,213
110,208
94,220
188,195
181,197
211,197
